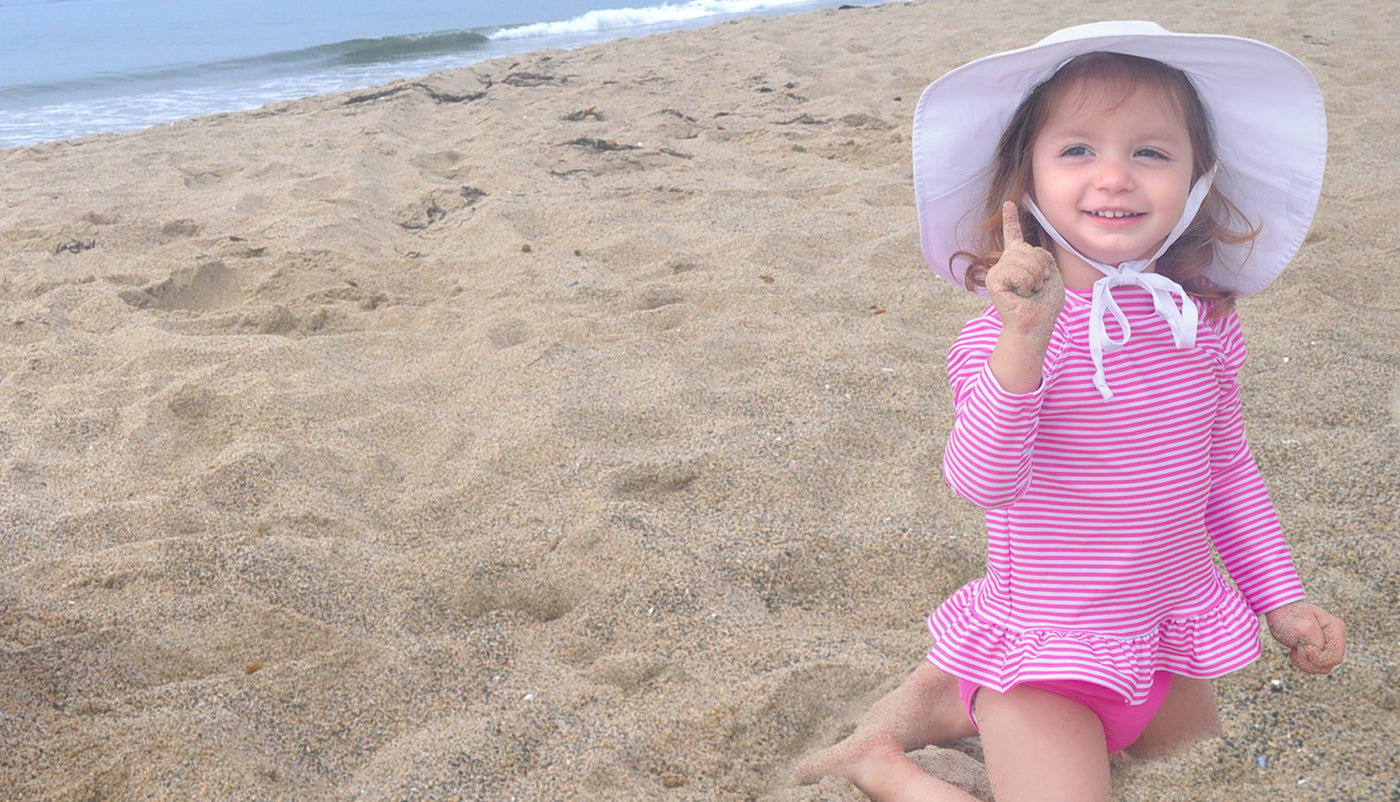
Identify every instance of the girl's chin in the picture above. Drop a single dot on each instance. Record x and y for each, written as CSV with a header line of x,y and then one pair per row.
x,y
1080,275
1116,257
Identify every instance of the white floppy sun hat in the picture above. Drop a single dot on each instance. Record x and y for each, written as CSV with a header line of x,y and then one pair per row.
x,y
1265,108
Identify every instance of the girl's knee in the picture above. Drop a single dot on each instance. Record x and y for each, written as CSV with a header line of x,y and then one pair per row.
x,y
1038,743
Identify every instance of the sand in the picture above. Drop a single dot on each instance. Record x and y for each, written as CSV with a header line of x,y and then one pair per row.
x,y
567,427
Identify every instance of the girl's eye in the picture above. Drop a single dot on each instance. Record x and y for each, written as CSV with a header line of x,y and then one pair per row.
x,y
1152,153
1075,150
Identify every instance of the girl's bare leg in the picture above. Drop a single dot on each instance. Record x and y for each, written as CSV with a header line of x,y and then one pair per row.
x,y
923,710
1042,747
1188,714
926,710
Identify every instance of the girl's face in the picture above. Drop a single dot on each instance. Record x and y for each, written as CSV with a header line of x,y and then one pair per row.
x,y
1111,170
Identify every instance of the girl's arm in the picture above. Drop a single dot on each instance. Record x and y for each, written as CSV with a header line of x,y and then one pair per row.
x,y
996,369
988,457
1245,530
1240,516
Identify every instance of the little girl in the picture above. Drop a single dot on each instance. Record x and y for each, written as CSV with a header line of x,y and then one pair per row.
x,y
1139,181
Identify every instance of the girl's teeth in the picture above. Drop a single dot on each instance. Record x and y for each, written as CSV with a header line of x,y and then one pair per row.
x,y
1115,214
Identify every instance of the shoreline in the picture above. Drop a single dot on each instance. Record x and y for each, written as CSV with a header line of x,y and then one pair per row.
x,y
343,67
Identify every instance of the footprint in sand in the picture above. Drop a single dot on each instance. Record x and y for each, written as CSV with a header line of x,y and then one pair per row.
x,y
509,333
442,164
178,229
652,479
663,308
436,206
212,285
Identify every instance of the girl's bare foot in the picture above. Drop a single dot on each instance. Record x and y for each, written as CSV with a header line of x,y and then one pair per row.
x,y
923,710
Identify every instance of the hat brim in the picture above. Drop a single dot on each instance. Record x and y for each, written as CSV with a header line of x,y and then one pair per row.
x,y
1265,107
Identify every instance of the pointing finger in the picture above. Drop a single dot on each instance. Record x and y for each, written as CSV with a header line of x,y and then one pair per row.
x,y
1010,223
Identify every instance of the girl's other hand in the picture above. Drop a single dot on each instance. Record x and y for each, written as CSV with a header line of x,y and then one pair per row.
x,y
1024,284
1315,638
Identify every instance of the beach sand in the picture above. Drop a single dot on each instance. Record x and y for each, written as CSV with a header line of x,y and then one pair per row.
x,y
568,427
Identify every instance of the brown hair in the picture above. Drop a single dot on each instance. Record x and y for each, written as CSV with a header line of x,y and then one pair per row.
x,y
1187,258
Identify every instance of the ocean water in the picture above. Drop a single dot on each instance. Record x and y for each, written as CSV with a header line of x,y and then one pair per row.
x,y
71,68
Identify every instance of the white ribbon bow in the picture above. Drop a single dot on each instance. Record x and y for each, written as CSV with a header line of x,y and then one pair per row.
x,y
1181,318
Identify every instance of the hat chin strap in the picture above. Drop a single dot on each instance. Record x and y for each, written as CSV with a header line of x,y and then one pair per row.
x,y
1181,318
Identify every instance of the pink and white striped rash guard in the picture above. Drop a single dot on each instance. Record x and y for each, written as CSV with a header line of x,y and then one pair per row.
x,y
1101,514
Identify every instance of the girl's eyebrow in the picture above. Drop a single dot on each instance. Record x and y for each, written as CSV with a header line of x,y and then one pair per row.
x,y
1089,132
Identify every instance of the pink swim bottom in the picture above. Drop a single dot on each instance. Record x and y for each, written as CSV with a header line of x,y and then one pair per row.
x,y
1123,723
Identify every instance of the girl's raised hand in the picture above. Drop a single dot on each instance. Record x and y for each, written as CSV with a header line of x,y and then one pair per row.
x,y
1315,638
1024,284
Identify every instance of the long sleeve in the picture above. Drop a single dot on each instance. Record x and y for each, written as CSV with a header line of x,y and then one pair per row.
x,y
1239,515
990,448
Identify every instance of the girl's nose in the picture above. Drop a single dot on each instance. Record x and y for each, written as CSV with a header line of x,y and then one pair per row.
x,y
1114,175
